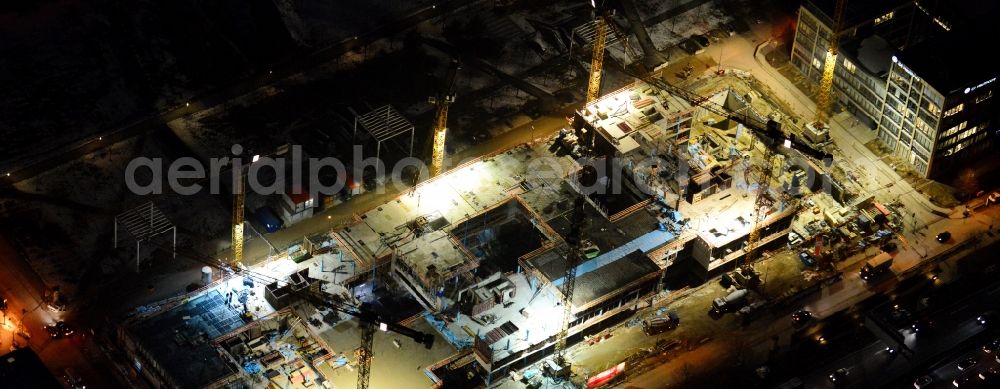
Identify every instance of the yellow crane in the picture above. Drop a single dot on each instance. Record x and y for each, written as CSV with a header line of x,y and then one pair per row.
x,y
829,65
597,59
238,200
442,102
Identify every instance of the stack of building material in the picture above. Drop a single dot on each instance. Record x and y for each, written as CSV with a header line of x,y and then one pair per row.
x,y
500,332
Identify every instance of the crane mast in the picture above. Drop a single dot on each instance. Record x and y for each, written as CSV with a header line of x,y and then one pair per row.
x,y
574,239
442,102
238,201
829,65
597,59
364,354
762,202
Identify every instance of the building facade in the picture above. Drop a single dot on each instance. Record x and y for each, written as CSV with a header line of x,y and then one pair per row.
x,y
938,121
871,32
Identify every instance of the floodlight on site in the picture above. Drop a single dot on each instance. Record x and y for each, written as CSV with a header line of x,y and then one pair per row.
x,y
383,326
255,158
593,3
788,143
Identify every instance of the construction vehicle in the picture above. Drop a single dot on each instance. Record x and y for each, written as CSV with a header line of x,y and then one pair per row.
x,y
661,324
875,266
732,302
442,101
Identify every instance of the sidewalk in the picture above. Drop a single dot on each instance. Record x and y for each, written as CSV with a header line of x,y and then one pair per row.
x,y
847,292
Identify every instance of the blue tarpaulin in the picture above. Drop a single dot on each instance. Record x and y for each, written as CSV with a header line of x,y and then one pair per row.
x,y
459,343
648,242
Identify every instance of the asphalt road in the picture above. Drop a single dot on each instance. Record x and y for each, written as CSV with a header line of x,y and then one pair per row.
x,y
24,293
871,366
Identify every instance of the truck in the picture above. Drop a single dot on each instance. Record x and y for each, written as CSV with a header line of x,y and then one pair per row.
x,y
875,266
660,324
731,302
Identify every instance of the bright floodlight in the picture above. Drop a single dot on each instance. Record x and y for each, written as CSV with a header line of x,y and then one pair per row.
x,y
593,3
788,143
256,158
383,326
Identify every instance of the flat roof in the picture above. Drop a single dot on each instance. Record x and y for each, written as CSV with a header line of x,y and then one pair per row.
x,y
855,11
180,339
874,54
607,272
949,63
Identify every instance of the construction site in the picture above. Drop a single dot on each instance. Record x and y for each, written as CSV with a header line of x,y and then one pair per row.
x,y
506,268
661,194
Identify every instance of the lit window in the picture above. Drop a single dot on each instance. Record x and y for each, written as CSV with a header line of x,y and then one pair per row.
x,y
816,63
883,18
849,66
954,110
953,130
933,108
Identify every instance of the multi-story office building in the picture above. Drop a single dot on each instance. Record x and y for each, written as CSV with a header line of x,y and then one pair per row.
x,y
870,34
908,69
939,113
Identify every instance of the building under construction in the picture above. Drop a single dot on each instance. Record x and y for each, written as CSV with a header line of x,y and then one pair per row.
x,y
479,253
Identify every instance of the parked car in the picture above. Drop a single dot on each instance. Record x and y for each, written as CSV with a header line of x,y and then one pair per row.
x,y
943,237
794,239
807,259
991,375
967,363
702,40
961,382
59,330
839,376
690,46
992,346
889,247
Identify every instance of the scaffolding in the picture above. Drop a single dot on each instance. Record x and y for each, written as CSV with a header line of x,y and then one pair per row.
x,y
382,124
143,223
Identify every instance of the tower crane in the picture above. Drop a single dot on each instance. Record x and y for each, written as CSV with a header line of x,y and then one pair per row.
x,y
239,197
829,65
597,59
442,101
575,241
